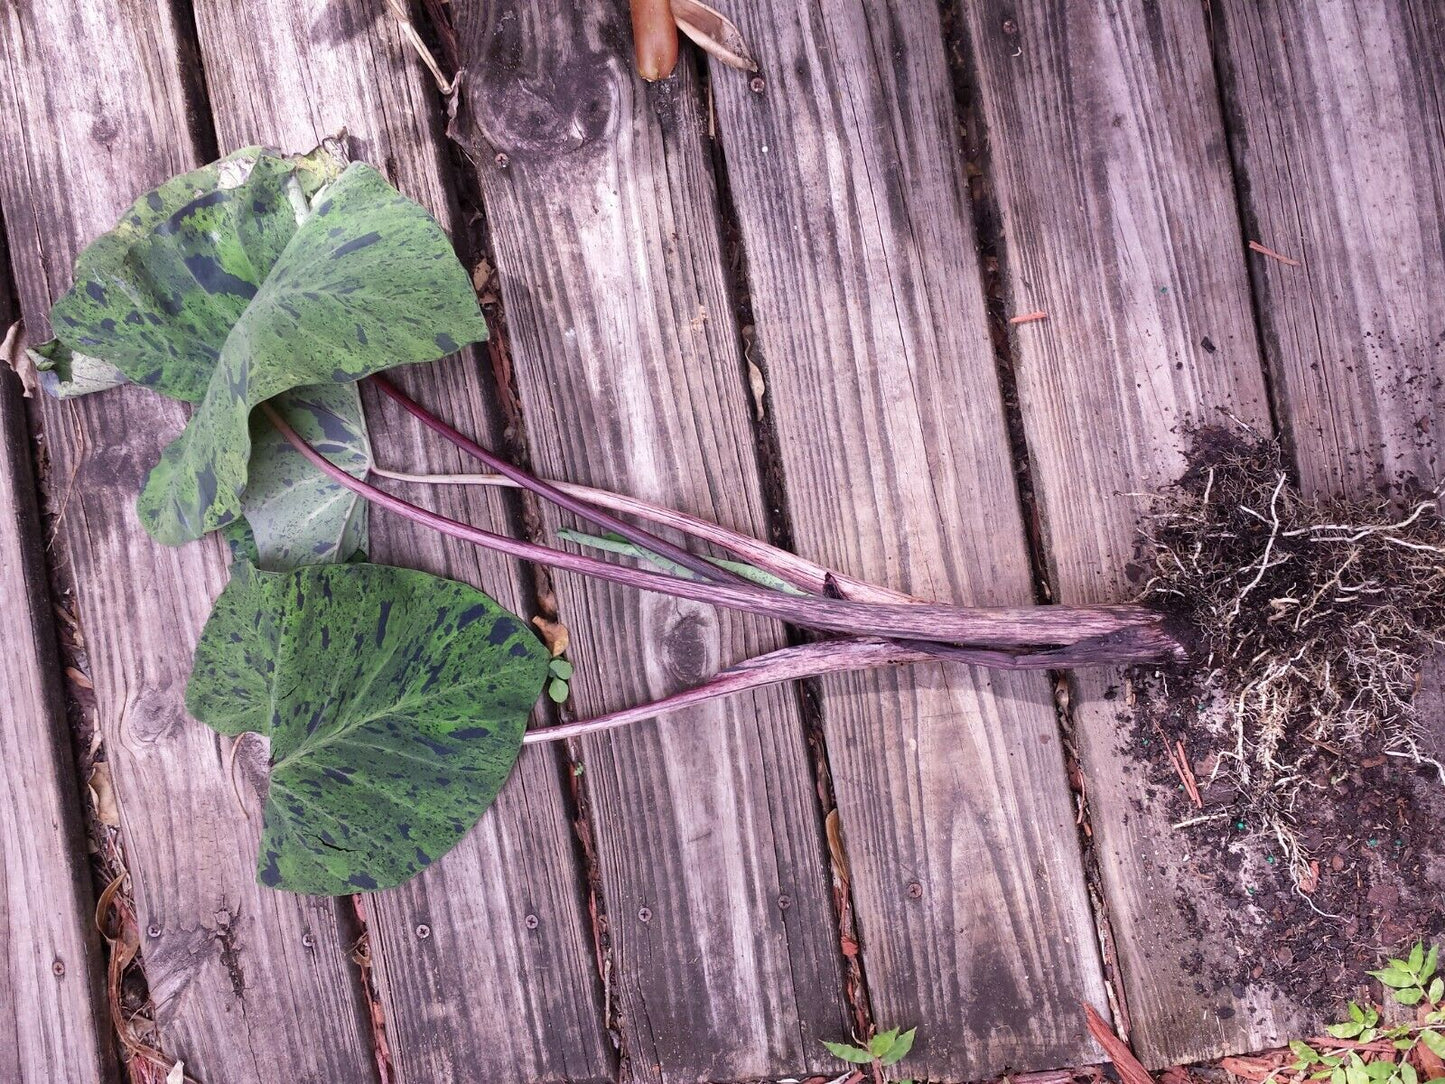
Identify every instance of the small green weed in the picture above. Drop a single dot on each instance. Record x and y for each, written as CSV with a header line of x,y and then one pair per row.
x,y
1380,1054
884,1049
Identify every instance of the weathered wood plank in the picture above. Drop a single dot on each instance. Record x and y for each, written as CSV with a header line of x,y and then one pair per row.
x,y
53,1021
865,287
249,984
603,216
488,994
1109,162
1338,125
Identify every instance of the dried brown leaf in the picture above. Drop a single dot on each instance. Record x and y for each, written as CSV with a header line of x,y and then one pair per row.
x,y
554,634
834,828
106,809
713,33
19,359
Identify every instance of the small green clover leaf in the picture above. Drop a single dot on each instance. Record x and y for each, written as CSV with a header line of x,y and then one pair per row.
x,y
558,687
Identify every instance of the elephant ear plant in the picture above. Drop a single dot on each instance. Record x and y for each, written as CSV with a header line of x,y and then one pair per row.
x,y
261,289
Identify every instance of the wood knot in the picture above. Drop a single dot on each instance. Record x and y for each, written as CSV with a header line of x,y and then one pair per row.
x,y
689,646
522,107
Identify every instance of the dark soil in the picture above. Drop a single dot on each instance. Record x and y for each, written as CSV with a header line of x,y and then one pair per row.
x,y
1321,852
1374,831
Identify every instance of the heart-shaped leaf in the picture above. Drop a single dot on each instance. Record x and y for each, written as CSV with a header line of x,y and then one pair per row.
x,y
368,281
395,702
158,295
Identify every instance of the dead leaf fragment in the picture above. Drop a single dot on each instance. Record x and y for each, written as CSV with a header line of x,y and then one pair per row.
x,y
713,33
1311,880
19,360
554,634
177,1075
107,811
834,828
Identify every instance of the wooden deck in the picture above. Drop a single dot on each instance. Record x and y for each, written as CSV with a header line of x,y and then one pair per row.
x,y
779,302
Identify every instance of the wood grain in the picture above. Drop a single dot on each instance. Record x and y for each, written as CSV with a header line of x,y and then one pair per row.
x,y
1108,157
603,216
846,173
249,984
53,1021
1337,117
505,984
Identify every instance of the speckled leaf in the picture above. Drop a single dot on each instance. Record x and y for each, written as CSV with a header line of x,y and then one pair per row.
x,y
160,293
297,515
395,702
157,296
367,282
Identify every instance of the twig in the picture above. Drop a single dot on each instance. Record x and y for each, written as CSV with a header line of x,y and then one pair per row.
x,y
1255,246
408,31
1028,317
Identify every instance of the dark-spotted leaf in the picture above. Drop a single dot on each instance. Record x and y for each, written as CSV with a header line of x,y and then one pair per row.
x,y
157,296
395,702
368,281
66,374
297,515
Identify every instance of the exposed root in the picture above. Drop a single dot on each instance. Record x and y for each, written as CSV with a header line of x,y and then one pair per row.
x,y
1313,617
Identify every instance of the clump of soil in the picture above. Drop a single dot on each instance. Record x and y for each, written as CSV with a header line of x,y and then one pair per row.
x,y
1304,773
1313,617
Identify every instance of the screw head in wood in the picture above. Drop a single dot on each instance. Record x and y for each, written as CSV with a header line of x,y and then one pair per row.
x,y
785,901
423,931
153,930
531,922
645,915
915,890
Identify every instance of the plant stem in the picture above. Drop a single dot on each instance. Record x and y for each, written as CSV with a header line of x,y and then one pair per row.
x,y
1029,637
799,571
787,664
637,535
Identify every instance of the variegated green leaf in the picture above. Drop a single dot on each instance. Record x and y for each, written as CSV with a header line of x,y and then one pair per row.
x,y
157,296
66,374
395,702
367,282
297,515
